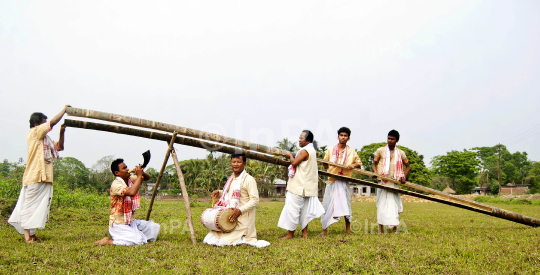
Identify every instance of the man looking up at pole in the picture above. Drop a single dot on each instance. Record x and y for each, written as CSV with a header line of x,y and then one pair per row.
x,y
32,209
337,196
388,162
239,193
301,202
124,229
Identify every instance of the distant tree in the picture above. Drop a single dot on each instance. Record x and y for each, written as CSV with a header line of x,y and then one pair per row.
x,y
322,151
534,177
290,146
419,173
5,168
153,174
461,168
264,174
12,170
101,175
71,172
287,145
514,167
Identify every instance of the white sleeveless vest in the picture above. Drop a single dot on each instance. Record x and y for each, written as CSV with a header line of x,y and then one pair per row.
x,y
306,179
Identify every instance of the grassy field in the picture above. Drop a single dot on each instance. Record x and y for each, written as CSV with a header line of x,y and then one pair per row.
x,y
434,239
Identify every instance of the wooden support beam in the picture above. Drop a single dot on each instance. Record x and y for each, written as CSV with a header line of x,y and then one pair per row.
x,y
154,192
186,197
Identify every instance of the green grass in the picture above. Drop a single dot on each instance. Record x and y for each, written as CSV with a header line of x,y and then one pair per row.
x,y
439,239
494,199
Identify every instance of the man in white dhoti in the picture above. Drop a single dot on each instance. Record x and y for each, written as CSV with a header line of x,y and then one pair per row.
x,y
301,202
32,209
239,193
124,229
388,162
337,195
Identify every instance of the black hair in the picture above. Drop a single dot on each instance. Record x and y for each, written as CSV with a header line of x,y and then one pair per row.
x,y
310,138
115,164
344,130
239,154
395,134
36,118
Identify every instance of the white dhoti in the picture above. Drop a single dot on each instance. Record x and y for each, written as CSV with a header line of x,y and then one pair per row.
x,y
336,203
212,239
32,208
389,206
138,232
299,210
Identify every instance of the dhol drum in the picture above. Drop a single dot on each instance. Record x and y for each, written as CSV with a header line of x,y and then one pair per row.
x,y
217,219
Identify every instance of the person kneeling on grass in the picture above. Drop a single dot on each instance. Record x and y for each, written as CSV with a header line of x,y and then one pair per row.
x,y
239,193
123,228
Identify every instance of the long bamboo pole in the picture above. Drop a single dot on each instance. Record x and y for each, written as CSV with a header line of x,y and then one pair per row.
x,y
166,137
241,144
185,196
414,186
154,192
494,211
172,128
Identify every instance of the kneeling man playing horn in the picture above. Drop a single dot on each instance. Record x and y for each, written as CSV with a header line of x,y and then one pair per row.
x,y
239,193
124,229
388,162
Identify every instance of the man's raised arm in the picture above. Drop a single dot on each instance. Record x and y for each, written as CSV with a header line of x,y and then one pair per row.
x,y
58,117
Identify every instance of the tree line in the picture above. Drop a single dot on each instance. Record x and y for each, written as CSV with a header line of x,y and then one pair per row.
x,y
460,170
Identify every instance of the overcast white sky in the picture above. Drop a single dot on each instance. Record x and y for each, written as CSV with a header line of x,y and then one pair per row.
x,y
448,75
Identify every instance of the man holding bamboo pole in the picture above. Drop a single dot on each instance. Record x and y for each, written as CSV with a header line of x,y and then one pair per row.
x,y
337,195
388,162
301,202
32,209
124,229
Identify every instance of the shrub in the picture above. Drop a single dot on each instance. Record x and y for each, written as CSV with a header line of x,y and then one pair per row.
x,y
9,188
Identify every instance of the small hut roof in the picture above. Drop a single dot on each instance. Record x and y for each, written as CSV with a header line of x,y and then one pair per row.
x,y
448,190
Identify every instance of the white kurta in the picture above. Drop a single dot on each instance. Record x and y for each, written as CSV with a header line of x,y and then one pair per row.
x,y
244,232
389,206
32,208
336,203
136,233
299,210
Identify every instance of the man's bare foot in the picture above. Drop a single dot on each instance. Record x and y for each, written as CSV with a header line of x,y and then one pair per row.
x,y
290,235
348,232
30,240
304,236
323,234
104,241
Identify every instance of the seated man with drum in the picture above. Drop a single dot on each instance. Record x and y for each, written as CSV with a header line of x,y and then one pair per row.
x,y
232,219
